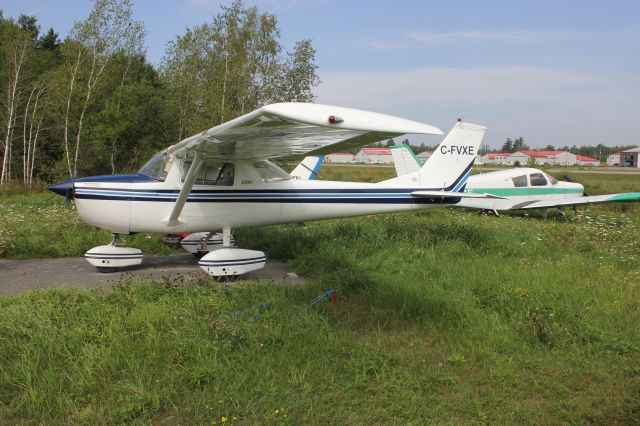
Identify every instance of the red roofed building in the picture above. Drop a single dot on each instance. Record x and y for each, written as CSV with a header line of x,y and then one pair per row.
x,y
583,160
493,158
374,156
559,158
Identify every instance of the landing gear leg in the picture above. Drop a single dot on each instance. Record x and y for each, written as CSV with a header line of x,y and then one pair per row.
x,y
202,246
226,237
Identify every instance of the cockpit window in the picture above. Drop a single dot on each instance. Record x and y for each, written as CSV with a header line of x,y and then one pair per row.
x,y
158,167
519,181
209,173
551,179
537,179
269,172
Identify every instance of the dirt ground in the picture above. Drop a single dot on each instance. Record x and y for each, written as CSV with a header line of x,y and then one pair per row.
x,y
19,276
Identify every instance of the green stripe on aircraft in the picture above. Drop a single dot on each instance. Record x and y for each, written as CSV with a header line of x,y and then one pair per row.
x,y
629,196
514,192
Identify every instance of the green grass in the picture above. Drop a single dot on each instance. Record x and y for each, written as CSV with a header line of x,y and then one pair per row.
x,y
36,224
443,316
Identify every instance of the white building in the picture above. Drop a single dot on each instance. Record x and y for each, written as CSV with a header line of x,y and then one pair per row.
x,y
374,156
339,157
494,158
629,158
557,158
583,160
614,159
424,156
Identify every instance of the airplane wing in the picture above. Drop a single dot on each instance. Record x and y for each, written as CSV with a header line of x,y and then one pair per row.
x,y
296,129
608,198
287,130
451,194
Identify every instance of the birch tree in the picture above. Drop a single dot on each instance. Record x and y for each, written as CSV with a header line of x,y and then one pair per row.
x,y
19,43
219,70
109,29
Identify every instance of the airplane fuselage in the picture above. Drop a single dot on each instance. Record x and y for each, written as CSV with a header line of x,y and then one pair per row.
x,y
138,203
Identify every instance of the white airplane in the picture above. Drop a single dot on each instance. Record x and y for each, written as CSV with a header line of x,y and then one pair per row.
x,y
222,179
519,188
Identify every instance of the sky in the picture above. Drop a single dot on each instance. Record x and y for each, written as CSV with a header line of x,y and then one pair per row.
x,y
560,72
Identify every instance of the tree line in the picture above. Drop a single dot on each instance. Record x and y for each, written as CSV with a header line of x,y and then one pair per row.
x,y
92,103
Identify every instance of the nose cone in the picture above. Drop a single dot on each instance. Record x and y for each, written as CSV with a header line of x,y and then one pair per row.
x,y
62,188
573,188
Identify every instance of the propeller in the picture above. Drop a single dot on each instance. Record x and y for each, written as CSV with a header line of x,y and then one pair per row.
x,y
568,179
68,197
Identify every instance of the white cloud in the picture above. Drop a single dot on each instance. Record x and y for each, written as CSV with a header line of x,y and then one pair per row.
x,y
431,37
543,105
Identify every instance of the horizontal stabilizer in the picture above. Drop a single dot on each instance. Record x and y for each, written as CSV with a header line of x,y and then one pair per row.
x,y
448,194
608,198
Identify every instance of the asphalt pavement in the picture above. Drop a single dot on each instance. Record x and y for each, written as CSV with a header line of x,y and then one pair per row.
x,y
20,276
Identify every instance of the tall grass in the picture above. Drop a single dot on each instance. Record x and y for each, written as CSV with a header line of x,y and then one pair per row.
x,y
37,225
443,316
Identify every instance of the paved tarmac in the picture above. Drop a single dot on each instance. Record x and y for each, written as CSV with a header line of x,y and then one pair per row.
x,y
20,276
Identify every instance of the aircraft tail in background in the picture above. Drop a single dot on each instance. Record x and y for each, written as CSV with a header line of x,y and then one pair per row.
x,y
450,165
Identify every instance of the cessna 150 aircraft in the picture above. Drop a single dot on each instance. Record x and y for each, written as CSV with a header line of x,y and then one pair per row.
x,y
222,179
515,189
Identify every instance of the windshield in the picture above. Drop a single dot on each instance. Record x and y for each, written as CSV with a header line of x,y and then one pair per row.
x,y
157,167
537,179
551,179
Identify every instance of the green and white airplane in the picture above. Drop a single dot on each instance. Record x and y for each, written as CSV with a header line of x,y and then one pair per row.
x,y
519,188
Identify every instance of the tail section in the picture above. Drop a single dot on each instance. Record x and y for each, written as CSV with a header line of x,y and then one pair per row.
x,y
308,168
405,160
450,165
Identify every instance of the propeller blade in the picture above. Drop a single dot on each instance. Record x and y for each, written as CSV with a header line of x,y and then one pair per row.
x,y
68,198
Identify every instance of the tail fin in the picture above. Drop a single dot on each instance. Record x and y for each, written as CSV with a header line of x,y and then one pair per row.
x,y
449,166
308,168
405,160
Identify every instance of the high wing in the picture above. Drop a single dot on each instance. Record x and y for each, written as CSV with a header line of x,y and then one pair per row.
x,y
608,198
287,130
296,129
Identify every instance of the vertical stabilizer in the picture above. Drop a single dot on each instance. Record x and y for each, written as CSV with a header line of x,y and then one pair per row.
x,y
405,160
450,165
308,168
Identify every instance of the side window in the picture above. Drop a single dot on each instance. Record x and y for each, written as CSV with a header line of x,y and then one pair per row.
x,y
269,172
226,175
537,179
211,174
519,181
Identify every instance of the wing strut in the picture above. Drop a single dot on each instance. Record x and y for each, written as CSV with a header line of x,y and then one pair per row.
x,y
172,220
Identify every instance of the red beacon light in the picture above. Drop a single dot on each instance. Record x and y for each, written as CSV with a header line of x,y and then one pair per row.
x,y
459,120
334,119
